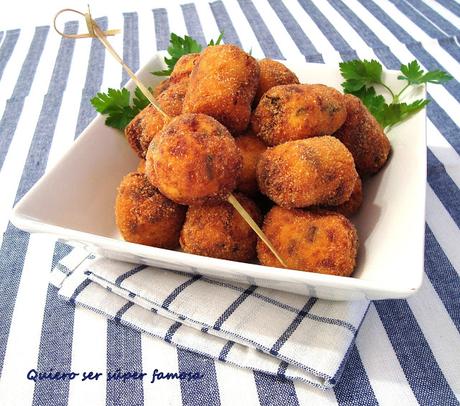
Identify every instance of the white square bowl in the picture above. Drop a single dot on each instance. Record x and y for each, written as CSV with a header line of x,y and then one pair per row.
x,y
75,202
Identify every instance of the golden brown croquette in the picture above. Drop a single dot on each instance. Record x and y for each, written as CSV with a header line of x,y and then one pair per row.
x,y
141,166
170,96
222,85
312,241
144,216
364,137
217,230
172,99
273,73
143,128
352,205
195,160
293,112
184,66
251,148
314,171
161,87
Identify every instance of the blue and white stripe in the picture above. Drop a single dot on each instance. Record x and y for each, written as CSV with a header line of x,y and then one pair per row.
x,y
381,368
220,320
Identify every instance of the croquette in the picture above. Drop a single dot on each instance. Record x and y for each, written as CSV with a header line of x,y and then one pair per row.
x,y
183,67
352,205
144,216
141,166
251,148
364,137
293,112
312,241
217,230
194,160
171,100
222,85
273,73
143,128
314,171
170,95
161,87
147,124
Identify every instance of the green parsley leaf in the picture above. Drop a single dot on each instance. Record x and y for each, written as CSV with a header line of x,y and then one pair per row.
x,y
218,41
116,105
415,75
396,112
178,47
374,103
407,110
359,74
139,100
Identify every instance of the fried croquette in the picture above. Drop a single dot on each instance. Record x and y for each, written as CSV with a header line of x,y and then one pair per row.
x,y
161,87
184,66
141,166
143,128
222,85
195,160
312,241
314,171
273,73
217,230
293,112
144,216
364,137
352,205
170,95
171,100
251,148
147,124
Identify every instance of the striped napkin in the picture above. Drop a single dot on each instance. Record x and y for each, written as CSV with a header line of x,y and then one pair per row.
x,y
279,333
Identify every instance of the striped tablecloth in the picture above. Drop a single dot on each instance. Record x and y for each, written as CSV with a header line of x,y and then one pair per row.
x,y
407,351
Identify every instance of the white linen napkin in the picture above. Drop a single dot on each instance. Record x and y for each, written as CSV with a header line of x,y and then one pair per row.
x,y
283,334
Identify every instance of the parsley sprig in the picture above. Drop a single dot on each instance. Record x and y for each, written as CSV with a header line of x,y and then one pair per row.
x,y
360,76
117,103
182,46
118,106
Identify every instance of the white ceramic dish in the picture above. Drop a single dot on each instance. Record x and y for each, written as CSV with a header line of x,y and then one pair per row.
x,y
75,201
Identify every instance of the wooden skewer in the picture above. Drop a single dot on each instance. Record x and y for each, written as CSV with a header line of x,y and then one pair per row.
x,y
247,217
94,31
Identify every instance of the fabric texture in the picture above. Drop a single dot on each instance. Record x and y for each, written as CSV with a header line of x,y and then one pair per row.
x,y
406,351
281,334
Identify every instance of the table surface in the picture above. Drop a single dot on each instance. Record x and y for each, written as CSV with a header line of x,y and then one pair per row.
x,y
407,351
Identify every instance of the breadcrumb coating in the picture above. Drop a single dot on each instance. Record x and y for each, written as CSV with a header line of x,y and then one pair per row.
x,y
273,73
312,241
293,112
143,128
170,96
353,204
195,160
251,149
141,166
222,85
217,230
161,87
314,171
364,137
184,66
144,216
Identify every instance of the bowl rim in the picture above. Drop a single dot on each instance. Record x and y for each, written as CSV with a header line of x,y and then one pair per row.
x,y
22,220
